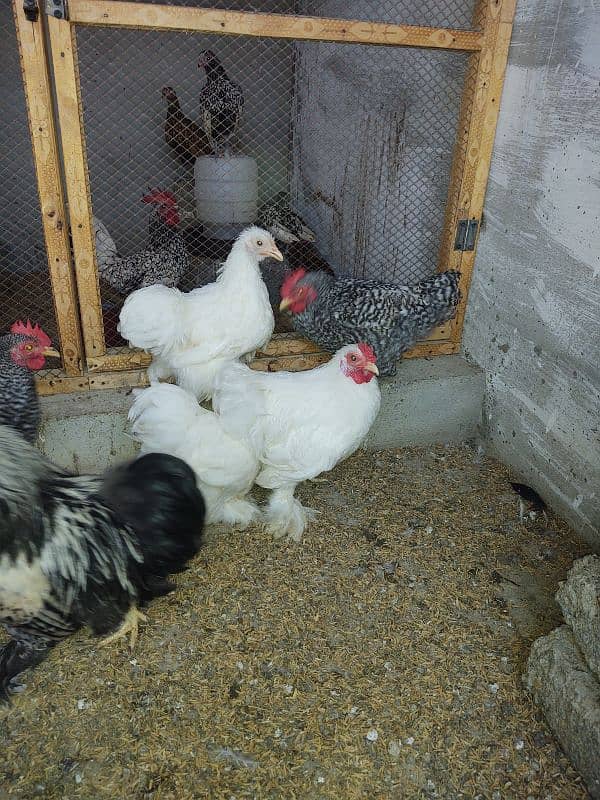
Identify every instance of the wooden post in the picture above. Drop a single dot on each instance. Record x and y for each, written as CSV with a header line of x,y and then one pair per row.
x,y
487,80
64,60
36,82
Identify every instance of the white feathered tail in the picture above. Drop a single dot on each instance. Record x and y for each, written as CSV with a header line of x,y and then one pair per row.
x,y
167,419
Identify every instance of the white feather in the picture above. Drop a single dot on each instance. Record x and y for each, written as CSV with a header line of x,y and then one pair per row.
x,y
167,419
106,249
193,335
299,425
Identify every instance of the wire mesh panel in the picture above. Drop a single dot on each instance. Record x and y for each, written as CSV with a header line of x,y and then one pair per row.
x,y
25,290
358,139
374,130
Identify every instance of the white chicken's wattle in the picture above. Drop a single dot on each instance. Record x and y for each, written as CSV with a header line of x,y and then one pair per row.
x,y
193,335
299,424
167,419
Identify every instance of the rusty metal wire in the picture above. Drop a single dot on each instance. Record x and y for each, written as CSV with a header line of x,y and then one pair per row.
x,y
24,276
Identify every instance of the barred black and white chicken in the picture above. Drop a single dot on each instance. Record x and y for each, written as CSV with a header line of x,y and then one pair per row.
x,y
22,351
164,261
332,311
283,223
221,102
83,550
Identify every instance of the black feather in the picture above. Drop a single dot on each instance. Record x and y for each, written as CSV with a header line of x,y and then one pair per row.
x,y
82,550
530,495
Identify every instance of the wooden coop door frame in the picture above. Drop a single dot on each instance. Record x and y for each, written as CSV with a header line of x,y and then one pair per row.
x,y
487,43
40,113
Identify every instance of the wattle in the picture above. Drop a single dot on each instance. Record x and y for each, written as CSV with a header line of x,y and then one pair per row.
x,y
36,362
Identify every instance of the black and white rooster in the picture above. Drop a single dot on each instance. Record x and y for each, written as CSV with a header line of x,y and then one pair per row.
x,y
85,550
221,102
164,261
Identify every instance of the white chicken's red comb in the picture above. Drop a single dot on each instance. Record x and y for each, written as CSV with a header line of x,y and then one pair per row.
x,y
34,331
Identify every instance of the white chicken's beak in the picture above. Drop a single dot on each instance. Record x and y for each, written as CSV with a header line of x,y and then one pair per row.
x,y
273,252
285,303
370,367
50,352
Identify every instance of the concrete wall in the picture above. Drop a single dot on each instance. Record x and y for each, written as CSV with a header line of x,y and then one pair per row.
x,y
428,401
533,320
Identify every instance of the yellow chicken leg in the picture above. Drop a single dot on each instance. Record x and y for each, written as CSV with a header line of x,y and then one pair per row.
x,y
128,626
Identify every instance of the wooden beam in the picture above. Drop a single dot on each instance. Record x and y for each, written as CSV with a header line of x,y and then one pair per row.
x,y
40,112
117,361
119,380
64,59
47,384
291,363
274,26
488,69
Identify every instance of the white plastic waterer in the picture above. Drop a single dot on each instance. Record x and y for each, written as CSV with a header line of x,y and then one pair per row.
x,y
226,189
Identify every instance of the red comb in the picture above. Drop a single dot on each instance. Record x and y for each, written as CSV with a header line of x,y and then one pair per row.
x,y
291,280
33,331
367,352
160,197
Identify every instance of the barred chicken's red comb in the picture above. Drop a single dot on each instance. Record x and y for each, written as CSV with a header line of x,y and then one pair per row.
x,y
161,197
34,331
290,282
367,352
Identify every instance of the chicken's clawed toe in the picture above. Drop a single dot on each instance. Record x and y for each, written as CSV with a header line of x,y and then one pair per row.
x,y
128,626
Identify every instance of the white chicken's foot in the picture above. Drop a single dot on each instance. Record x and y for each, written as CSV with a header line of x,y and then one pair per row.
x,y
286,516
240,512
318,480
128,626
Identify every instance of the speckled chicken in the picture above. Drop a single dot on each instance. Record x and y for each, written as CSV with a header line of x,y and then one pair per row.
x,y
332,311
165,261
221,102
283,223
22,351
183,135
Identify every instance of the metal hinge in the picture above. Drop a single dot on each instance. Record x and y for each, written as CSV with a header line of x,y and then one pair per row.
x,y
466,234
57,8
30,7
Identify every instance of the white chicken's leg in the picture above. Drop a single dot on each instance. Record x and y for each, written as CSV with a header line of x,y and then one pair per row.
x,y
128,626
239,512
286,516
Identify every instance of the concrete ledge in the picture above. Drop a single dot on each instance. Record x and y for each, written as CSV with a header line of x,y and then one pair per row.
x,y
87,431
428,401
569,696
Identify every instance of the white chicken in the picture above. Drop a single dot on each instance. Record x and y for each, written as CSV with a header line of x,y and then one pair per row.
x,y
299,424
193,335
167,419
